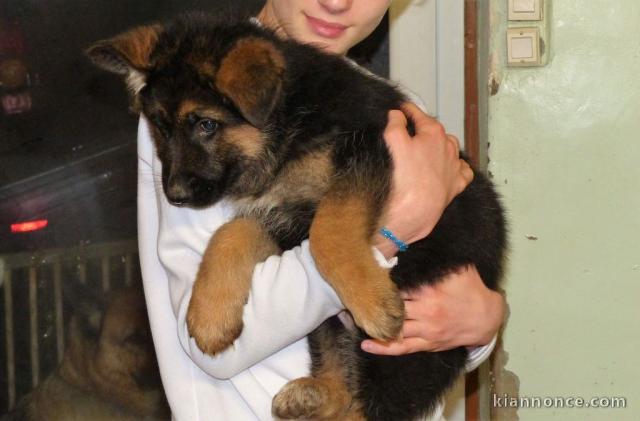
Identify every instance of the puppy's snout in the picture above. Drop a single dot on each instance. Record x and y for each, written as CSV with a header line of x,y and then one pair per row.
x,y
179,191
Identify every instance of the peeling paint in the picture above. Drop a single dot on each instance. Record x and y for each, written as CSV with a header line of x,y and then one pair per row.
x,y
494,86
503,382
494,74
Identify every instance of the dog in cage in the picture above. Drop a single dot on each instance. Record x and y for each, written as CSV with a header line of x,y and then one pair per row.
x,y
108,370
294,137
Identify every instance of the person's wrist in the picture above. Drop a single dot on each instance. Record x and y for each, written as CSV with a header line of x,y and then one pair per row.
x,y
385,246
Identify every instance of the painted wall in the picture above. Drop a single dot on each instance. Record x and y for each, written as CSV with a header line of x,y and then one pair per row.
x,y
565,153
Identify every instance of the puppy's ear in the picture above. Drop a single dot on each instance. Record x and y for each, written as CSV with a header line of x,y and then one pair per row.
x,y
87,307
127,54
251,76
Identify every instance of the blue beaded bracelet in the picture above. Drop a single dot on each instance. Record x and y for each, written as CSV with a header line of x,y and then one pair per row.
x,y
402,246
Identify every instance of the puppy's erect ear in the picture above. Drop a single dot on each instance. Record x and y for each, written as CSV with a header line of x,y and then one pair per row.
x,y
251,76
127,54
87,307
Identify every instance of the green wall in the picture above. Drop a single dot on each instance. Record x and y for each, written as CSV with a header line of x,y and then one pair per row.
x,y
565,154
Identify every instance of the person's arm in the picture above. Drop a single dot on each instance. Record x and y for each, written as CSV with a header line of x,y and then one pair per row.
x,y
427,175
460,310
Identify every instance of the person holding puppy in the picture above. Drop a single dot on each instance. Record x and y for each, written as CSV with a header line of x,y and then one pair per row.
x,y
288,297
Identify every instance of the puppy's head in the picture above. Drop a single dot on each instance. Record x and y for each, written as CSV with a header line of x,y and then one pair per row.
x,y
109,351
209,92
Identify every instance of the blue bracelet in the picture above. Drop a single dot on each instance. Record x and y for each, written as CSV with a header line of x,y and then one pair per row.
x,y
402,246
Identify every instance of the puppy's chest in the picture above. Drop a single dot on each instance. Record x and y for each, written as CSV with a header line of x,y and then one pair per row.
x,y
289,200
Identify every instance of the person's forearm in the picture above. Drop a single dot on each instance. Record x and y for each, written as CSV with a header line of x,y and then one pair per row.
x,y
288,300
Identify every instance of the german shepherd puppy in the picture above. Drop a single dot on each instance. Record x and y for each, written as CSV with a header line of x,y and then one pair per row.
x,y
294,137
108,371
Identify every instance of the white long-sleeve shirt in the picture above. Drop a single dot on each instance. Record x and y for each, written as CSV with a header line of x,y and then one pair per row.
x,y
288,299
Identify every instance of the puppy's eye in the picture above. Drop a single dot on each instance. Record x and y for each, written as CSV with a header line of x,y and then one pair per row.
x,y
157,121
208,126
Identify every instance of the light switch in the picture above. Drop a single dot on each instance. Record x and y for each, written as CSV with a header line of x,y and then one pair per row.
x,y
525,9
524,6
523,47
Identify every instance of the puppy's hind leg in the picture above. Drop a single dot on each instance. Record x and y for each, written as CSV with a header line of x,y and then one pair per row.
x,y
326,396
221,289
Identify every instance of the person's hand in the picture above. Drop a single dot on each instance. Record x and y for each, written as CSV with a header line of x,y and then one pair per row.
x,y
427,175
457,311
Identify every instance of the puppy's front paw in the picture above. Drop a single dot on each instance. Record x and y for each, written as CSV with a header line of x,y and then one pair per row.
x,y
379,312
214,329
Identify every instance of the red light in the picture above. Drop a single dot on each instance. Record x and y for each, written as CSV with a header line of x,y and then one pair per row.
x,y
29,226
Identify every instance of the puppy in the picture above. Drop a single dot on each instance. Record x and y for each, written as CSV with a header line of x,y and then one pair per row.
x,y
108,371
294,137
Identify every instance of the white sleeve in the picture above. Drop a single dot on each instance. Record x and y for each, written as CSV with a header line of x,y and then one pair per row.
x,y
478,355
288,297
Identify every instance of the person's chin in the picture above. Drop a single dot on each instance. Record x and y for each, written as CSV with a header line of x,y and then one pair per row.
x,y
333,46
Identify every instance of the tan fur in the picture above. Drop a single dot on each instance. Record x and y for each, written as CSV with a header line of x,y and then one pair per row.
x,y
115,362
222,286
303,179
322,397
202,66
306,178
247,138
250,75
341,246
131,59
136,45
328,395
136,81
202,109
98,380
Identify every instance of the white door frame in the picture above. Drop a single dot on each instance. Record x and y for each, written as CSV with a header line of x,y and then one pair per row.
x,y
426,55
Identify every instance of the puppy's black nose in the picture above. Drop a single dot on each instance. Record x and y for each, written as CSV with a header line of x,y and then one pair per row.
x,y
178,193
178,202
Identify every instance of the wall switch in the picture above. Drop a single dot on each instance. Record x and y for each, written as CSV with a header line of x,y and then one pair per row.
x,y
523,47
525,10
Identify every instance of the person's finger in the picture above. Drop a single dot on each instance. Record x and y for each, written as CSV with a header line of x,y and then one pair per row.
x,y
406,346
421,121
383,348
466,171
465,177
453,140
396,119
